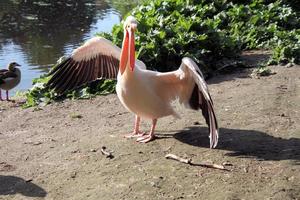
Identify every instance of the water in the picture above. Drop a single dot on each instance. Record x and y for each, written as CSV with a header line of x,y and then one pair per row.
x,y
35,33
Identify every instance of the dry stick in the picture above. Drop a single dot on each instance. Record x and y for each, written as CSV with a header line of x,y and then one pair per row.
x,y
189,161
174,157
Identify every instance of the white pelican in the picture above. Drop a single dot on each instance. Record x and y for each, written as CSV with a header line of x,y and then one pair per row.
x,y
147,94
9,78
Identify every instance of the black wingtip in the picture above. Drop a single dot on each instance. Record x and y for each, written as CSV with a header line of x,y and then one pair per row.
x,y
194,99
58,66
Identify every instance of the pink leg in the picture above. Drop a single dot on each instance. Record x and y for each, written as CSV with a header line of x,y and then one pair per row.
x,y
150,136
136,132
1,96
7,95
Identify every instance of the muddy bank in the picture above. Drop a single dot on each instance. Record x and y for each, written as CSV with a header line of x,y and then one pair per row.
x,y
54,152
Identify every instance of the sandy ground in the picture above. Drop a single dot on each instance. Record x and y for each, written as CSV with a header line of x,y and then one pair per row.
x,y
54,152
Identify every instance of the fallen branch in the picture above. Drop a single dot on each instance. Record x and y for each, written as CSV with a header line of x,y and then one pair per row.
x,y
174,157
189,161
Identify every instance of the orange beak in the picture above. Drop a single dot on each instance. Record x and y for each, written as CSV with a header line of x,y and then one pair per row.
x,y
128,50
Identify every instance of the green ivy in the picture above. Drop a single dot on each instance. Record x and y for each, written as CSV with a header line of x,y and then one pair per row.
x,y
211,30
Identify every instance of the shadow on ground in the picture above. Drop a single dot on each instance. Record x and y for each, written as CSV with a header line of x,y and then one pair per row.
x,y
239,68
245,143
10,185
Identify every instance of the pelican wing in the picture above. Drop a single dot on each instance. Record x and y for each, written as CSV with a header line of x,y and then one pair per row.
x,y
97,58
188,85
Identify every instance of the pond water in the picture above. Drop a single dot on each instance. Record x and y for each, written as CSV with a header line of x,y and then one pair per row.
x,y
36,33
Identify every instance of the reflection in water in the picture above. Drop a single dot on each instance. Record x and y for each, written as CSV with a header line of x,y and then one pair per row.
x,y
35,33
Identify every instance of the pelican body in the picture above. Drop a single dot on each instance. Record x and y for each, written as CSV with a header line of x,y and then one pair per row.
x,y
140,97
147,94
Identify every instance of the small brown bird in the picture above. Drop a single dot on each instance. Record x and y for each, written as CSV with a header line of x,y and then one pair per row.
x,y
9,78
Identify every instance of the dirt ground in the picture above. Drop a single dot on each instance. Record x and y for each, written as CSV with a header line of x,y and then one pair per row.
x,y
53,152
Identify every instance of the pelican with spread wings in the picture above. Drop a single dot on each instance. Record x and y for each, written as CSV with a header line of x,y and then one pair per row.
x,y
147,94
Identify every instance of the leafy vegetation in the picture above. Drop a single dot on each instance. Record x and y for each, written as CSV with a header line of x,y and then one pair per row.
x,y
40,95
262,71
211,30
206,30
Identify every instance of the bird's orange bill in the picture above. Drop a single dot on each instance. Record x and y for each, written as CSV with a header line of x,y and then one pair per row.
x,y
124,53
131,50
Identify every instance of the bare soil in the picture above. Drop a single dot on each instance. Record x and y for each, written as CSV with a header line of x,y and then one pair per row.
x,y
53,152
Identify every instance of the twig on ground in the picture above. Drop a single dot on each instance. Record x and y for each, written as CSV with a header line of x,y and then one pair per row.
x,y
189,161
174,157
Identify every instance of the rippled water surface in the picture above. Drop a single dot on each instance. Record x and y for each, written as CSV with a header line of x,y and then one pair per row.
x,y
36,33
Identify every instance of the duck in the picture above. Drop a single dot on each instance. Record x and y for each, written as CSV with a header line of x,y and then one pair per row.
x,y
9,78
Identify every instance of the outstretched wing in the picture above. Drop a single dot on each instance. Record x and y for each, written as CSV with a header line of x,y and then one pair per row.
x,y
97,58
188,85
201,98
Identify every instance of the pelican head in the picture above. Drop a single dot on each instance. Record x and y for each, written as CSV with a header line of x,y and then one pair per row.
x,y
130,24
128,47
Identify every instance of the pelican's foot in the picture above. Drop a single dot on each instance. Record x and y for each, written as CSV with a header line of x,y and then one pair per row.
x,y
146,138
135,134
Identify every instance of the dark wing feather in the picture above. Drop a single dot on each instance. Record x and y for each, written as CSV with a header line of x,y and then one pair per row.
x,y
201,98
2,71
96,59
58,67
4,74
187,84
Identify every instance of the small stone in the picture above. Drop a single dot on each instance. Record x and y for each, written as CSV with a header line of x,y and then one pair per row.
x,y
227,164
75,151
37,143
73,175
196,123
152,184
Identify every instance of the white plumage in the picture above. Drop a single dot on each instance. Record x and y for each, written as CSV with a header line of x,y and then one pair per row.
x,y
145,93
